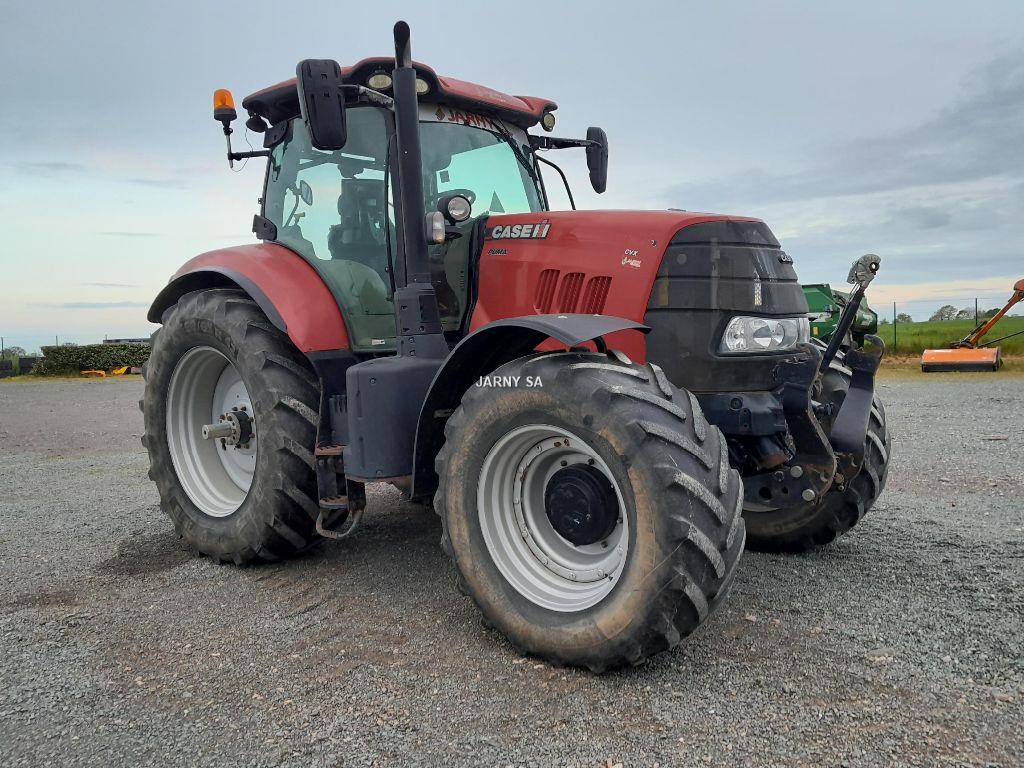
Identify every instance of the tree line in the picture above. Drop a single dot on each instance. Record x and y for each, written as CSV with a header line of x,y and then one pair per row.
x,y
949,312
946,312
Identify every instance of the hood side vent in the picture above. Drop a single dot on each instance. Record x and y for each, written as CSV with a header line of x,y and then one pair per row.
x,y
596,295
569,295
545,291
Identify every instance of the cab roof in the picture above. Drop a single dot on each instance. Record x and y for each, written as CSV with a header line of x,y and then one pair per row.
x,y
281,102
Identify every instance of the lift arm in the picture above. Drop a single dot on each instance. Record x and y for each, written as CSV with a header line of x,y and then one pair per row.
x,y
861,274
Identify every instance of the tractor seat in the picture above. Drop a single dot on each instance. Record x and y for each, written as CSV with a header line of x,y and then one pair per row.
x,y
358,236
358,257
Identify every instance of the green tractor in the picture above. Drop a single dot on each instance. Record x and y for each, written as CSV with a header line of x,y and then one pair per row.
x,y
825,305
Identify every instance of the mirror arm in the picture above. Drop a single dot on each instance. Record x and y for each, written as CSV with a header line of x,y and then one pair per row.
x,y
551,142
565,181
243,155
372,96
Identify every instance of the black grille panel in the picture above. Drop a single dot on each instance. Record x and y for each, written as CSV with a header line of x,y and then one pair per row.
x,y
710,273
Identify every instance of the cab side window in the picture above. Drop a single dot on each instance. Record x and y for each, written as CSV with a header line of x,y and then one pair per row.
x,y
481,165
329,207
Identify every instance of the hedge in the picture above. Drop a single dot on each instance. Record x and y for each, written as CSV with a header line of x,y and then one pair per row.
x,y
91,357
27,363
13,365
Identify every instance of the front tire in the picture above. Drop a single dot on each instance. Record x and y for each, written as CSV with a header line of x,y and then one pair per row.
x,y
657,549
250,502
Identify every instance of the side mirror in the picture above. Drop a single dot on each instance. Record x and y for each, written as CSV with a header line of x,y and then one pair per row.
x,y
597,159
321,102
305,192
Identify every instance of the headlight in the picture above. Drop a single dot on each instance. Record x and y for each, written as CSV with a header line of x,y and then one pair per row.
x,y
764,334
457,208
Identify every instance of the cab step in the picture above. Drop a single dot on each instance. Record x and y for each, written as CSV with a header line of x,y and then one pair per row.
x,y
341,500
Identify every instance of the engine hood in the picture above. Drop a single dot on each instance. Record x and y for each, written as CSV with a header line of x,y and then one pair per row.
x,y
595,262
646,231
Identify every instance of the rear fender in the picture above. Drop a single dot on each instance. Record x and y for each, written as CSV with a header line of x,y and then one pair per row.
x,y
480,353
288,290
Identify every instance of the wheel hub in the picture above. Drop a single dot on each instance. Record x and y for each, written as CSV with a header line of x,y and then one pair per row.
x,y
211,431
533,512
581,504
234,428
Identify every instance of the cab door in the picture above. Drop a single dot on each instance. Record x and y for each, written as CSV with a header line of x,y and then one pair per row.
x,y
330,208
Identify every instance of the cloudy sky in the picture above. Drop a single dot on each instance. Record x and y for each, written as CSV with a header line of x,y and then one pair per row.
x,y
849,127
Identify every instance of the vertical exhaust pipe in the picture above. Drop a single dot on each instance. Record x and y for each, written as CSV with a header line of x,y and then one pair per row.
x,y
416,311
414,243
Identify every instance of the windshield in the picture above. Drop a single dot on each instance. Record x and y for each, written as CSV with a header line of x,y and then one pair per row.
x,y
483,159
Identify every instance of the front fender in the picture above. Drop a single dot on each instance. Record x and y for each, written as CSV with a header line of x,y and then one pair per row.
x,y
288,290
480,353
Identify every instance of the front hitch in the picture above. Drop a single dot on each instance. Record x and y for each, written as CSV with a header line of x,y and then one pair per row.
x,y
811,471
851,423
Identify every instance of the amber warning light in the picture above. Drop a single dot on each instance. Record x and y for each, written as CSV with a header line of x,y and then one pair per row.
x,y
223,106
224,111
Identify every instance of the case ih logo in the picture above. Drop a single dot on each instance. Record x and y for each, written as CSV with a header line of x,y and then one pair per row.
x,y
536,231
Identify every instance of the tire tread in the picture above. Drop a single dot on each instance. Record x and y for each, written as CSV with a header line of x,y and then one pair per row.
x,y
705,546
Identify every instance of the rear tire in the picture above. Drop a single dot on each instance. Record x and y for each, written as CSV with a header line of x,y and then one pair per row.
x,y
271,513
801,529
678,503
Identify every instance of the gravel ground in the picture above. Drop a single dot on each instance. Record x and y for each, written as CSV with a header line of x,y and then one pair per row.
x,y
899,645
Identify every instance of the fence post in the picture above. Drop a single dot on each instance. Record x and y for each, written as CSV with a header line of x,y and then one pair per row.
x,y
894,327
975,311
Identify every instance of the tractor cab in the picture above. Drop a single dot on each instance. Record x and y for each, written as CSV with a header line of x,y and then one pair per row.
x,y
336,208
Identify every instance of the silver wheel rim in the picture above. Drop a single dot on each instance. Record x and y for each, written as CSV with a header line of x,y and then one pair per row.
x,y
215,476
542,566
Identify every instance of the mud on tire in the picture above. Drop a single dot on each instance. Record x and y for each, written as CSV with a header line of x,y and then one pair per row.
x,y
804,528
680,499
277,517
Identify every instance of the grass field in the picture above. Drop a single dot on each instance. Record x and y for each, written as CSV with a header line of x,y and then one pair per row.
x,y
912,338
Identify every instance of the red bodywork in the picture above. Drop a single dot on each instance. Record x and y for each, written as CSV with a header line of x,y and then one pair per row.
x,y
593,262
305,305
590,262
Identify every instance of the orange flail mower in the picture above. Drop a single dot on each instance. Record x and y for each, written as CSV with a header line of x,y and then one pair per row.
x,y
966,355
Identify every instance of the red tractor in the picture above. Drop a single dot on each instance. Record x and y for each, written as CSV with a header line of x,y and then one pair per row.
x,y
604,407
